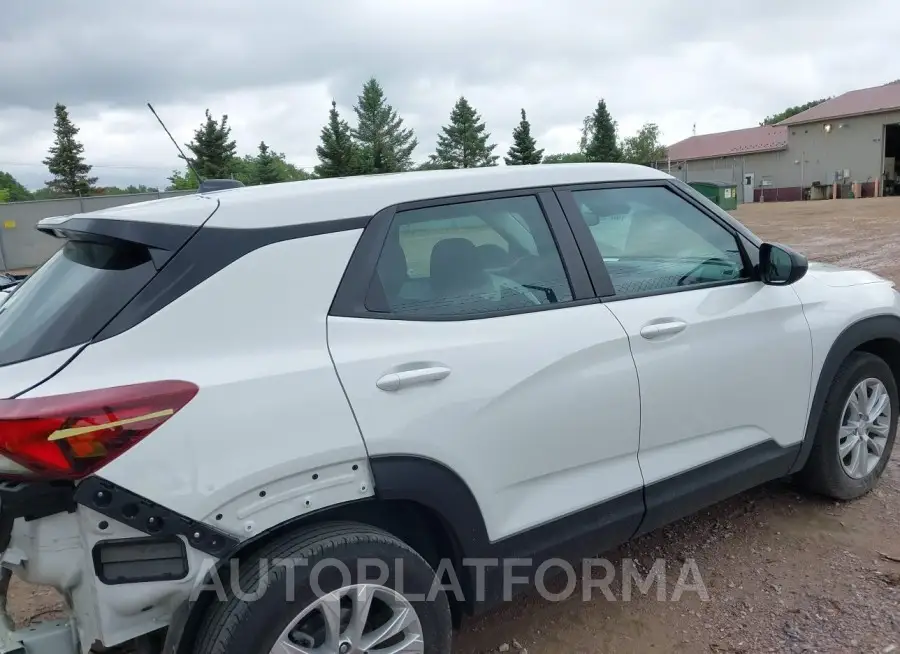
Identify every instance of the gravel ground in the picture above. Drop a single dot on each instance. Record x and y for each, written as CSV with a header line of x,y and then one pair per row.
x,y
784,572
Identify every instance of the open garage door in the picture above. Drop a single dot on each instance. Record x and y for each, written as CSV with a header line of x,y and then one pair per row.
x,y
891,171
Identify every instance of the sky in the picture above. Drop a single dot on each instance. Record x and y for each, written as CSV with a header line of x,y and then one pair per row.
x,y
273,66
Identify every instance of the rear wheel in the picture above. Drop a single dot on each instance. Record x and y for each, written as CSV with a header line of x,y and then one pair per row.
x,y
348,589
856,431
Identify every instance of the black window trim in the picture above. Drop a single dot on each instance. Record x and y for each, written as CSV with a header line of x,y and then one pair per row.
x,y
594,261
360,274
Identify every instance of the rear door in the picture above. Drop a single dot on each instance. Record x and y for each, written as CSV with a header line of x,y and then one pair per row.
x,y
467,333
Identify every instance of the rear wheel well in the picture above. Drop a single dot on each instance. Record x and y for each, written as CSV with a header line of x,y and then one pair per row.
x,y
418,526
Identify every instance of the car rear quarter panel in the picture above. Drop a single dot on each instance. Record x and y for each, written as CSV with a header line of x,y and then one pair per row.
x,y
270,413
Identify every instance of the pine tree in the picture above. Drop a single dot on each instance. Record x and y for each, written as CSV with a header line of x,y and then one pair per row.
x,y
338,153
265,166
66,158
213,149
524,150
599,140
464,142
385,146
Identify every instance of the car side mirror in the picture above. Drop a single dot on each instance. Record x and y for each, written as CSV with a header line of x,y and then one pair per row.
x,y
779,265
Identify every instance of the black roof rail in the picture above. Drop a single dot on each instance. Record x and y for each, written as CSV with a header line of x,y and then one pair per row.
x,y
211,185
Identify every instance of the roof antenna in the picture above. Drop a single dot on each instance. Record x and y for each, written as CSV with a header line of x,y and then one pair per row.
x,y
177,147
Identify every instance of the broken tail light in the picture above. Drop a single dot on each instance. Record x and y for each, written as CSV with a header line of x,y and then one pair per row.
x,y
70,436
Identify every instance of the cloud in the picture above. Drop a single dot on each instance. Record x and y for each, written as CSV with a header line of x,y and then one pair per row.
x,y
273,67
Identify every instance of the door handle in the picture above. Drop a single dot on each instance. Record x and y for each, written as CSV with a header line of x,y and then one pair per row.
x,y
663,329
395,381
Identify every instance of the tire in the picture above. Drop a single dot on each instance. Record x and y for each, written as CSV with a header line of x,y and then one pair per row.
x,y
825,472
247,625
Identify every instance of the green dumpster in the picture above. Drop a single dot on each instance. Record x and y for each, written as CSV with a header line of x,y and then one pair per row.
x,y
723,194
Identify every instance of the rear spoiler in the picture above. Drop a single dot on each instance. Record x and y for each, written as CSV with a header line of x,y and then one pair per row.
x,y
212,185
162,240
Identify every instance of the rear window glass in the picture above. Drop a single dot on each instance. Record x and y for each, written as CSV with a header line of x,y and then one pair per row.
x,y
70,298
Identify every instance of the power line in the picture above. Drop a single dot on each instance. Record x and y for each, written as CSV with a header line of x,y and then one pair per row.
x,y
120,166
104,166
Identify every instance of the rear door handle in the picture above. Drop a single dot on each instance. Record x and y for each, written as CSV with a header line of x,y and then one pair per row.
x,y
667,328
395,381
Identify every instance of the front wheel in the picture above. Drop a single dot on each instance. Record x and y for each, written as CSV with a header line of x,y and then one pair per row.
x,y
340,588
856,431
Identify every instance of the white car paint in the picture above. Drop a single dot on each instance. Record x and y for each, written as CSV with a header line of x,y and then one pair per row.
x,y
538,396
541,413
738,342
270,411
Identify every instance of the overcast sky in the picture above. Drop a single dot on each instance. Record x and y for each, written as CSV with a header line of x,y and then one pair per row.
x,y
274,65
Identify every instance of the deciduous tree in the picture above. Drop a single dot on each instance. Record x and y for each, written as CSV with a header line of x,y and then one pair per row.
x,y
565,157
644,147
12,190
790,111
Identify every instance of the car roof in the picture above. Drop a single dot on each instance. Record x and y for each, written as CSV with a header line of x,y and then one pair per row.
x,y
350,197
318,200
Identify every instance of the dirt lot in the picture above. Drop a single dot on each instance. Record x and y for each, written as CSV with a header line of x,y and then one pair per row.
x,y
785,572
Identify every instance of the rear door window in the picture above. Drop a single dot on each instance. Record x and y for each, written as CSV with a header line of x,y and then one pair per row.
x,y
70,298
470,259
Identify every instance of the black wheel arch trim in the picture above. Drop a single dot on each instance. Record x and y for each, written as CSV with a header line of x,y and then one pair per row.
x,y
873,328
438,488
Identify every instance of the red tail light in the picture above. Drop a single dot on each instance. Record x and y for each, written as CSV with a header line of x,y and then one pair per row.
x,y
70,436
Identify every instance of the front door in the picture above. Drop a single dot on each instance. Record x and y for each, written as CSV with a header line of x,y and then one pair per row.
x,y
724,362
748,187
476,350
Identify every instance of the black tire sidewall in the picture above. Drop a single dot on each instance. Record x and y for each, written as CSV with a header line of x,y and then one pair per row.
x,y
861,366
287,594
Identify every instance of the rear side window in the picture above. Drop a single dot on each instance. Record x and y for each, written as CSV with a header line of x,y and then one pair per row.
x,y
468,259
69,299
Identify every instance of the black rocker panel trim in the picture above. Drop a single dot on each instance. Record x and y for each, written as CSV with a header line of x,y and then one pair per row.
x,y
875,328
441,490
207,252
139,560
121,505
592,531
689,492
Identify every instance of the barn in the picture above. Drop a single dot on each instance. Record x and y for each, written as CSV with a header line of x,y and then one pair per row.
x,y
848,146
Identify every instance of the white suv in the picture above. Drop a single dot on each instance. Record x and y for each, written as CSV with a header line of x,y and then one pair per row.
x,y
433,374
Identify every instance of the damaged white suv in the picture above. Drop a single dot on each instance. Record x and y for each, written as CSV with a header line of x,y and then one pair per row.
x,y
433,383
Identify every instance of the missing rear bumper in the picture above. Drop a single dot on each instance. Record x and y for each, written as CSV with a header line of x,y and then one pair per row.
x,y
40,638
32,501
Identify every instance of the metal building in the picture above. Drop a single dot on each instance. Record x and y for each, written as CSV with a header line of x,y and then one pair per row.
x,y
849,144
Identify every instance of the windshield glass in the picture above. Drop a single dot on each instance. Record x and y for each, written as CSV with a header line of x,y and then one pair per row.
x,y
69,299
